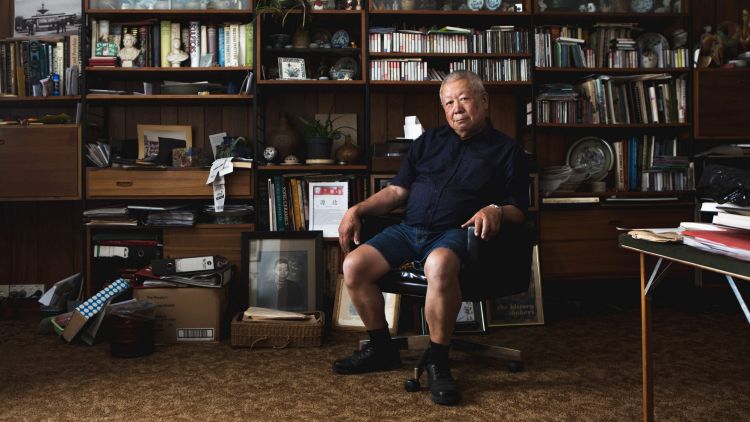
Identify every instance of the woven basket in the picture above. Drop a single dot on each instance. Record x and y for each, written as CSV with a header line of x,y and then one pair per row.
x,y
278,334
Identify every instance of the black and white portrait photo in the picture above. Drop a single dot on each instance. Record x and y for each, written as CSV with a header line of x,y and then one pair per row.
x,y
282,280
35,17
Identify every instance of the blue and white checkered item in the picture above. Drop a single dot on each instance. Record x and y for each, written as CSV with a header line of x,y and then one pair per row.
x,y
94,304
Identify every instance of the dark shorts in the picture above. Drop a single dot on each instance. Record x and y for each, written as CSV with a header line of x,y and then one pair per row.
x,y
402,243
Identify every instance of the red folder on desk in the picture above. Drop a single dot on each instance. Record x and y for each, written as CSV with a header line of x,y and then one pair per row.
x,y
738,239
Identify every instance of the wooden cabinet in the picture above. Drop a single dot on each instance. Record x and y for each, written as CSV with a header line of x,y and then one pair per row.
x,y
172,183
40,162
717,114
582,243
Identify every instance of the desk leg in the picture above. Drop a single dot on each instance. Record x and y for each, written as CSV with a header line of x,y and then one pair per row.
x,y
648,361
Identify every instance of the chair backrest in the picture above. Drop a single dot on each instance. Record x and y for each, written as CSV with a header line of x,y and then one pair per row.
x,y
502,264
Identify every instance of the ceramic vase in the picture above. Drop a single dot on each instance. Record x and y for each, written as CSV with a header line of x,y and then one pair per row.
x,y
284,138
347,153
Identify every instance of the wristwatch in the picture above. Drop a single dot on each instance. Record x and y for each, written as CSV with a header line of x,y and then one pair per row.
x,y
501,211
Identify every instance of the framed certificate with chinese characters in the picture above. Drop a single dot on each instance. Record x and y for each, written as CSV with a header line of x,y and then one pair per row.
x,y
328,203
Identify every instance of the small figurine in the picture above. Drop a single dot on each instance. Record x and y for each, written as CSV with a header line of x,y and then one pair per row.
x,y
541,6
349,5
744,38
318,5
176,56
128,53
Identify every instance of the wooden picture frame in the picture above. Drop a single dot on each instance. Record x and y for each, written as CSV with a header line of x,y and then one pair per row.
x,y
534,192
292,68
296,257
148,137
470,318
379,181
345,316
521,309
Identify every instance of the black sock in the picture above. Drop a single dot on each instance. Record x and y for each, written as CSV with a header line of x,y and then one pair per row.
x,y
380,339
439,352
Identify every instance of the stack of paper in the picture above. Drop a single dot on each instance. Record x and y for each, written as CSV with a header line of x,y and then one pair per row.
x,y
725,241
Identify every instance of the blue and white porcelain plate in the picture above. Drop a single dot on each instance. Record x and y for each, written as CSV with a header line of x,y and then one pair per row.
x,y
475,4
340,39
494,4
641,6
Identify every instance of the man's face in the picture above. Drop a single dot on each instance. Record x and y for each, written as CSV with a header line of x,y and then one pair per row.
x,y
282,271
465,110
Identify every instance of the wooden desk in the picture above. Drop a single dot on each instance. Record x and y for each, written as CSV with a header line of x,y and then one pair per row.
x,y
730,267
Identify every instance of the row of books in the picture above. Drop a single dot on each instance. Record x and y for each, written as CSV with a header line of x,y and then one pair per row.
x,y
622,55
605,99
472,41
416,69
40,68
648,164
284,200
207,44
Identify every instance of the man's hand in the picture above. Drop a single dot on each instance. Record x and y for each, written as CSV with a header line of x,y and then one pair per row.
x,y
486,221
349,229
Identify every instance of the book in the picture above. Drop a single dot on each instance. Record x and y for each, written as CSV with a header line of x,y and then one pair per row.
x,y
732,220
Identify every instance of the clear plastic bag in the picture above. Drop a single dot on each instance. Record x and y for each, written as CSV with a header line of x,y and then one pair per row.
x,y
134,310
725,184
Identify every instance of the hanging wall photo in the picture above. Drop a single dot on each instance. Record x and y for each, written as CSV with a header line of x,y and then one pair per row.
x,y
35,17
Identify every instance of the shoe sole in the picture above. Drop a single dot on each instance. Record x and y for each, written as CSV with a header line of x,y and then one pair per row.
x,y
343,371
446,401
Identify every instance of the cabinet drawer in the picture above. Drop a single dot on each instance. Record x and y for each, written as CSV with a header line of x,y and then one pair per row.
x,y
172,183
214,239
40,162
583,244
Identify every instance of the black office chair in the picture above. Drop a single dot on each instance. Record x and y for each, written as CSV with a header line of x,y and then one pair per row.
x,y
503,263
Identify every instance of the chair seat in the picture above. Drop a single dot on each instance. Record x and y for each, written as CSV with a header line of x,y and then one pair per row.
x,y
496,268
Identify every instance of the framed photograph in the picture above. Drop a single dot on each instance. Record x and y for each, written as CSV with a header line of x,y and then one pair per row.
x,y
534,192
345,315
283,270
148,137
470,319
379,181
523,308
292,68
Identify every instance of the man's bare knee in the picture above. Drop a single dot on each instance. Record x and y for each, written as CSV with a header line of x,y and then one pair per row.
x,y
363,265
441,269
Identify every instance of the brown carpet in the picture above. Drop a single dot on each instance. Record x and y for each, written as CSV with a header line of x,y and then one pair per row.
x,y
577,369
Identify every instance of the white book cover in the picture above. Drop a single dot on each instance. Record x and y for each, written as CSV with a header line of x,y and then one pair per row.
x,y
194,43
328,204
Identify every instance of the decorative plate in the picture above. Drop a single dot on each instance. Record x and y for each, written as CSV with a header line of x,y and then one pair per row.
x,y
320,36
347,63
493,4
340,39
475,4
594,154
654,42
641,6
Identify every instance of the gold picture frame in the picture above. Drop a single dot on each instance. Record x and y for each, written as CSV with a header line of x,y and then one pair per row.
x,y
148,135
345,316
520,309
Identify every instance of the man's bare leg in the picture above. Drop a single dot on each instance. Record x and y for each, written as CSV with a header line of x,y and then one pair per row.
x,y
442,303
363,267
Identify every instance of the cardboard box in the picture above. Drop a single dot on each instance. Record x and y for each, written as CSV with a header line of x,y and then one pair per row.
x,y
186,314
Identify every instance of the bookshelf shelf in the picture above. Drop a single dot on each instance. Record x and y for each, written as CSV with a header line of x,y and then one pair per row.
x,y
437,83
213,13
343,168
609,16
451,13
611,126
293,82
50,99
450,55
607,70
126,70
162,98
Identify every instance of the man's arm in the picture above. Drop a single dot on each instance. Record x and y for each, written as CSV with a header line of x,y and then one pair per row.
x,y
383,202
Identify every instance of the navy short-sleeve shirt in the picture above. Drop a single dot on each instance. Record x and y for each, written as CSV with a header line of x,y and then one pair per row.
x,y
449,180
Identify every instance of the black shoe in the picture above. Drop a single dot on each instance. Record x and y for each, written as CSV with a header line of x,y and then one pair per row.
x,y
442,386
368,360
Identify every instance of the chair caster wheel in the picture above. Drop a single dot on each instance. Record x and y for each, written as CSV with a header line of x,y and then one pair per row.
x,y
515,366
412,385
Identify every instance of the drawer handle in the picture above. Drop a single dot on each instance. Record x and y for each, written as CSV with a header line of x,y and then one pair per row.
x,y
124,183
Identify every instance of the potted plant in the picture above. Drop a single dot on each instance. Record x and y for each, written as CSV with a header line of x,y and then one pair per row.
x,y
319,135
280,9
